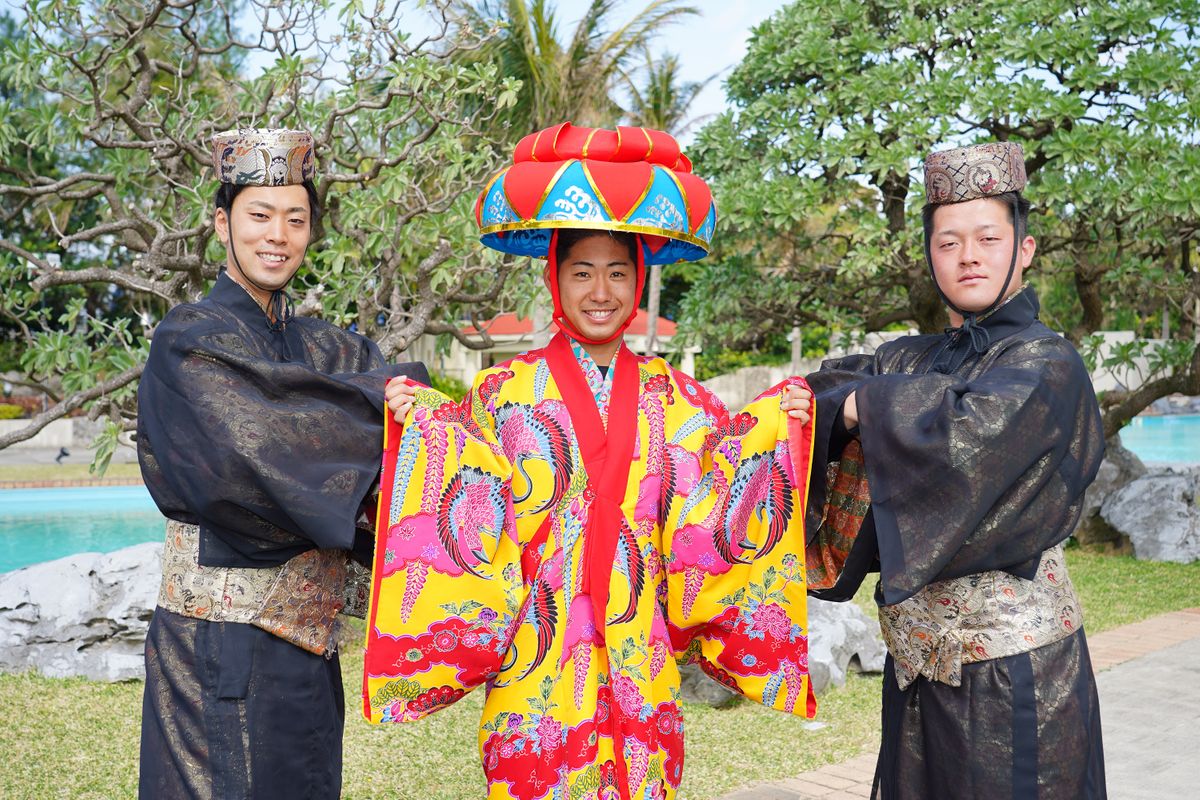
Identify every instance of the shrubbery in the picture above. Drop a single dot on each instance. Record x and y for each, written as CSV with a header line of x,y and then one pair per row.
x,y
451,387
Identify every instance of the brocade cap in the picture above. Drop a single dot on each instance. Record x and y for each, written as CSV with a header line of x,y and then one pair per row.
x,y
634,180
263,157
967,173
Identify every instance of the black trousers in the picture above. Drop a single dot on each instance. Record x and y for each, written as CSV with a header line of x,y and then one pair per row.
x,y
232,712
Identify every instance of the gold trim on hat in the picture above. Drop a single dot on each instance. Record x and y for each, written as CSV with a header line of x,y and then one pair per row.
x,y
596,225
587,175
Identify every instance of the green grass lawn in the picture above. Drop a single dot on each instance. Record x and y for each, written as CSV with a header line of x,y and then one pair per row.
x,y
79,739
64,472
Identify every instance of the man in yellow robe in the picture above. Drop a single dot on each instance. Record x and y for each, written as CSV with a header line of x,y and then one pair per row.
x,y
585,517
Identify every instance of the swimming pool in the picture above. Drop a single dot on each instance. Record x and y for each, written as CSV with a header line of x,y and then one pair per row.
x,y
1172,438
44,524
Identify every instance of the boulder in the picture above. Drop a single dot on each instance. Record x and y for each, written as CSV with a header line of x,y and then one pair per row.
x,y
843,638
83,615
1160,515
1119,468
696,687
1174,404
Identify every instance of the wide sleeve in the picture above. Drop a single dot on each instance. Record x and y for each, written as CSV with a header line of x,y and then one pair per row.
x,y
734,550
269,458
446,585
968,475
838,501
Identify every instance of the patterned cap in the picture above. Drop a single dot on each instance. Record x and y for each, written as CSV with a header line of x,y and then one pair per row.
x,y
263,157
634,180
967,173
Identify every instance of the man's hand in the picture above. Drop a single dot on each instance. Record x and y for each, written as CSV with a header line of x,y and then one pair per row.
x,y
400,395
797,402
850,411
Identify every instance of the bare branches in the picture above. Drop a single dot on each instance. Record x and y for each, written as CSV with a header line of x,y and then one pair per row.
x,y
65,407
108,181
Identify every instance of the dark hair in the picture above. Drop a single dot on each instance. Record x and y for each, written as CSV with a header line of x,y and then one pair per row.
x,y
569,237
1018,213
227,191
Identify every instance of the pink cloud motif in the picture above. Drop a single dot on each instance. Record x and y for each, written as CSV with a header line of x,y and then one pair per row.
x,y
414,538
694,553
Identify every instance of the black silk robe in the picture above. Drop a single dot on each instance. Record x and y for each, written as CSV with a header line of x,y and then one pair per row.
x,y
268,441
975,466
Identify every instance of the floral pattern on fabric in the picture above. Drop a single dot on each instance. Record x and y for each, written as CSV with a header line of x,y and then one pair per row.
x,y
600,383
297,601
848,499
709,565
979,617
217,594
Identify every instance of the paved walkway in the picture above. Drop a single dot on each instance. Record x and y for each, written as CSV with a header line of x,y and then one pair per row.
x,y
1148,677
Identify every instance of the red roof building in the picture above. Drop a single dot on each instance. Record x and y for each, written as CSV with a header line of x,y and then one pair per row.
x,y
512,335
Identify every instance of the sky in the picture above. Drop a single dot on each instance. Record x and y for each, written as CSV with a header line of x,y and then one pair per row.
x,y
711,43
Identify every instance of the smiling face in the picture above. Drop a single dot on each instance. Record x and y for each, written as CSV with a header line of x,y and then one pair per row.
x,y
597,286
270,231
971,247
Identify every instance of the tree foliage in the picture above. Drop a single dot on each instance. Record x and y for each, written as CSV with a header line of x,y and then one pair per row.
x,y
816,166
106,184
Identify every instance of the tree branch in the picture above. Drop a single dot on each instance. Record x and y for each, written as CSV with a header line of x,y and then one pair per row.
x,y
65,407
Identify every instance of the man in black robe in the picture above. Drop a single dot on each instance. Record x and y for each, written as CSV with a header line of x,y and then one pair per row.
x,y
259,438
956,468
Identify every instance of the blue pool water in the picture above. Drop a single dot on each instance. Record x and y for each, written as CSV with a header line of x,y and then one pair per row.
x,y
1174,438
43,524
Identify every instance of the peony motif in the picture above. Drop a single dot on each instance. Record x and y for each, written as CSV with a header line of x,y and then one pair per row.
x,y
772,620
627,695
549,733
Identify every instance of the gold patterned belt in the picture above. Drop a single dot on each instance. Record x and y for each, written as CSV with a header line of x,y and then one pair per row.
x,y
297,601
978,618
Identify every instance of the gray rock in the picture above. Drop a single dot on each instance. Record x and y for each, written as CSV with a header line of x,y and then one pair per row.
x,y
1119,468
843,637
83,615
696,687
1175,404
1160,515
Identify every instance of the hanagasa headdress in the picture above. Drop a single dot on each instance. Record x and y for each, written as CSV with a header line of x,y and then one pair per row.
x,y
629,180
634,180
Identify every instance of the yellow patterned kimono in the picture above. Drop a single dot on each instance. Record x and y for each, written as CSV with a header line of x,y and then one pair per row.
x,y
517,548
